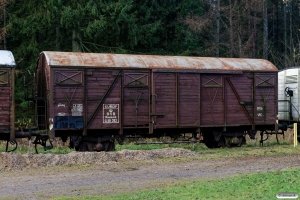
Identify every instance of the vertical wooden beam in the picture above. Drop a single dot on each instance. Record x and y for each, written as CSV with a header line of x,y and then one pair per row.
x,y
199,99
49,98
12,105
177,99
253,99
121,104
152,103
85,100
224,104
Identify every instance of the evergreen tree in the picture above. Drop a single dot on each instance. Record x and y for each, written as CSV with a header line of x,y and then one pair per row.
x,y
114,26
4,25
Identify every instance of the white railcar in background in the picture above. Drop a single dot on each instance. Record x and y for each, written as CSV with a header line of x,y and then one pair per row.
x,y
289,97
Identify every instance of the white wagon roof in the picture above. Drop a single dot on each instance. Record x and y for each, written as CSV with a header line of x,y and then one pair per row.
x,y
7,59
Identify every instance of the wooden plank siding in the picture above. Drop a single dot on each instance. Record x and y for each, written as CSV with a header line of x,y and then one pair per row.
x,y
265,92
180,99
212,100
7,115
5,93
136,98
188,97
239,100
7,96
98,82
140,94
165,99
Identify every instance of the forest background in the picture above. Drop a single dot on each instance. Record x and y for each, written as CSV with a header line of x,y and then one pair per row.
x,y
267,29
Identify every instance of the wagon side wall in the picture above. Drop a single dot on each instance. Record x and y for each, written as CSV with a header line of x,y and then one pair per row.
x,y
7,105
99,101
130,98
215,101
266,98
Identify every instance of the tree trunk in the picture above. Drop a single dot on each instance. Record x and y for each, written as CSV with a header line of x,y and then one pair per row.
x,y
284,19
4,24
57,33
216,6
239,28
230,29
254,51
291,35
265,13
76,47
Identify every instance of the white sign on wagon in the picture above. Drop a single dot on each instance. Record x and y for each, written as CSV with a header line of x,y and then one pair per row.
x,y
77,110
110,113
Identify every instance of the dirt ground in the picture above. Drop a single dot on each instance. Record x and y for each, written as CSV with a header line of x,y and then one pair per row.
x,y
37,176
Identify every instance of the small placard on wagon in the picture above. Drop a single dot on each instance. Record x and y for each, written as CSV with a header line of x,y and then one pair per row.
x,y
77,110
110,113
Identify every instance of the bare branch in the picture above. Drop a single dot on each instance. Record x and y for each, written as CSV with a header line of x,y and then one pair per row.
x,y
3,30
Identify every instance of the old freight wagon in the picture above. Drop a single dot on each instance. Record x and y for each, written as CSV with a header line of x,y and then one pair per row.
x,y
7,105
289,97
97,97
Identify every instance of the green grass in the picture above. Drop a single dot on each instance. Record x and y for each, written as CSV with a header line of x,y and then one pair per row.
x,y
268,149
132,146
25,146
250,186
252,149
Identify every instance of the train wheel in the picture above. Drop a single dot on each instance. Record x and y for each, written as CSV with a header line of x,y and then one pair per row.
x,y
235,141
209,140
108,146
242,140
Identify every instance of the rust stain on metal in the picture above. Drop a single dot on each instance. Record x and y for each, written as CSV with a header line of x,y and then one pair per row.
x,y
62,59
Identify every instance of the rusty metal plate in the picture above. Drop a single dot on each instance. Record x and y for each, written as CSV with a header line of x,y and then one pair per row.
x,y
64,59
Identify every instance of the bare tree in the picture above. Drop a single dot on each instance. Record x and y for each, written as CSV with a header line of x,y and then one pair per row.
x,y
216,10
230,29
285,34
3,15
236,17
234,28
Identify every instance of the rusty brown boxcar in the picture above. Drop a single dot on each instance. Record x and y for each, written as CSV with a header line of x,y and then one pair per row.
x,y
97,97
7,105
